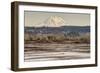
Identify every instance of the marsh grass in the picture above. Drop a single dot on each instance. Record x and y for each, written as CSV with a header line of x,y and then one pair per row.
x,y
50,38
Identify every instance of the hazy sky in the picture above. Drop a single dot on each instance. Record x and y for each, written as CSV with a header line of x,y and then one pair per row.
x,y
71,19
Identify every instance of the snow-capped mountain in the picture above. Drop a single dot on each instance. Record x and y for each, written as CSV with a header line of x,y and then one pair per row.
x,y
56,24
53,21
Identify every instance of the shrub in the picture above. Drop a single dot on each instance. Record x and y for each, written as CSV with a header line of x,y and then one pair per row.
x,y
72,37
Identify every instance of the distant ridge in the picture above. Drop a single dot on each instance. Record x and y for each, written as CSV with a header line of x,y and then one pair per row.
x,y
62,29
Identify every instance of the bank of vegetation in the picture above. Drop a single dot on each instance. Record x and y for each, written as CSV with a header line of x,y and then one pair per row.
x,y
71,37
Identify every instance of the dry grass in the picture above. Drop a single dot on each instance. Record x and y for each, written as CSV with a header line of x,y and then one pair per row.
x,y
58,38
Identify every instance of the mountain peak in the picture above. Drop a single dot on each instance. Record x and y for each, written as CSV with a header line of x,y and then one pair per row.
x,y
54,21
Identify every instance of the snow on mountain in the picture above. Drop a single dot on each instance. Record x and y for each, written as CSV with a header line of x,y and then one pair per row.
x,y
53,21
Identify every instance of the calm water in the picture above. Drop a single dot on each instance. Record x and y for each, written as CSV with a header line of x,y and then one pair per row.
x,y
54,51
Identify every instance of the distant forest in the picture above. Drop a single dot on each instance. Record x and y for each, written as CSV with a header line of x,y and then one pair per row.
x,y
57,36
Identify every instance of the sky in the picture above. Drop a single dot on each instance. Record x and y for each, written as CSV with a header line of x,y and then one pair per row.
x,y
35,18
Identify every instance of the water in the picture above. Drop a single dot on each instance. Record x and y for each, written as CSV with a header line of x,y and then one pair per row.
x,y
55,51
